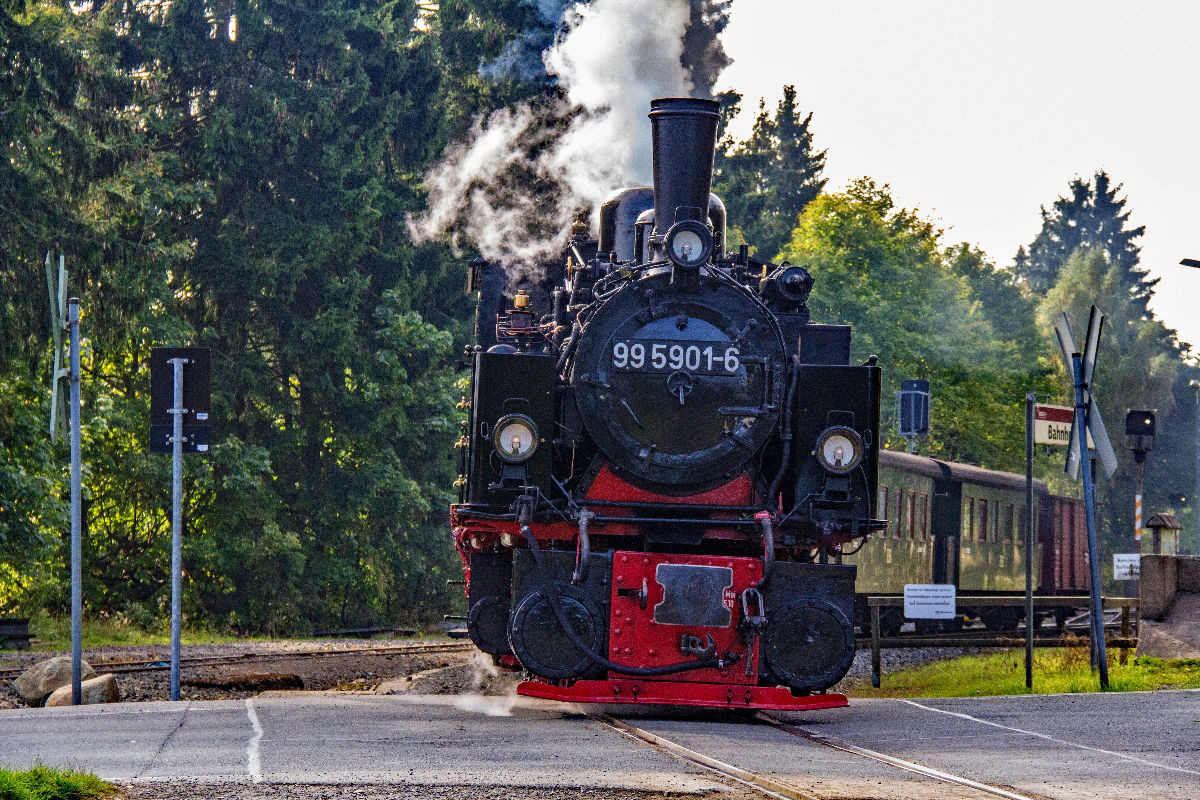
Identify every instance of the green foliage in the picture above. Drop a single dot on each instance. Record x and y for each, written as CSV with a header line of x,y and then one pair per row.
x,y
767,180
29,505
920,309
50,783
241,188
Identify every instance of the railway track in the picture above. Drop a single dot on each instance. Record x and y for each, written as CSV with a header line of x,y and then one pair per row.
x,y
152,665
779,789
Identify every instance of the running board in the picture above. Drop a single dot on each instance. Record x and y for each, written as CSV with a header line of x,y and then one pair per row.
x,y
675,693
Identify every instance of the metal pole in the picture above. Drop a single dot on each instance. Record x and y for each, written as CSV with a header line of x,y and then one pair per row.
x,y
1089,506
1030,399
1196,496
876,660
76,517
177,411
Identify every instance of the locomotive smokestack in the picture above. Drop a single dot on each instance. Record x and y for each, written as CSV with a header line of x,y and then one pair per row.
x,y
684,134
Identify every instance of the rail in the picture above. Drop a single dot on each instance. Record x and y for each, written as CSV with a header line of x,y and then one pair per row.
x,y
1125,641
158,664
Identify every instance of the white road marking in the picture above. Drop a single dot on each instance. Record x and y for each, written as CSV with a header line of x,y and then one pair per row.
x,y
253,757
1049,738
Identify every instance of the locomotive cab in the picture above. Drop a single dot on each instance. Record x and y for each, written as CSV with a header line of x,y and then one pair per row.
x,y
663,459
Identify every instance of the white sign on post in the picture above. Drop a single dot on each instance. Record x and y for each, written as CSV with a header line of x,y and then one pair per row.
x,y
929,601
1127,566
1052,426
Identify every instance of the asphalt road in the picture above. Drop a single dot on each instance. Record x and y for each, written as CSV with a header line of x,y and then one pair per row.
x,y
1126,746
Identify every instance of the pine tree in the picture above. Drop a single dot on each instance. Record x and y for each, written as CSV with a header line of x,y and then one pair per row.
x,y
767,180
1090,217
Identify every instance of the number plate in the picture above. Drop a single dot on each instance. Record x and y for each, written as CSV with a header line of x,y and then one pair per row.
x,y
645,355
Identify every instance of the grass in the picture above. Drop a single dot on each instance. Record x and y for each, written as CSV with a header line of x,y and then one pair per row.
x,y
1056,670
54,633
47,783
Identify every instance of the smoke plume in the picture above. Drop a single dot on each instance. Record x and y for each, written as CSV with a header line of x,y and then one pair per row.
x,y
515,185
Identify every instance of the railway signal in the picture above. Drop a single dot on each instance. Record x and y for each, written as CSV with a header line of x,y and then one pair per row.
x,y
1139,429
1087,418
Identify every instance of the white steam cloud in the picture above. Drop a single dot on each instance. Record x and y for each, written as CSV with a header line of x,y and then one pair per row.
x,y
516,184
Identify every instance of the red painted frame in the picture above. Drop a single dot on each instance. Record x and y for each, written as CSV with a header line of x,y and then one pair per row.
x,y
681,693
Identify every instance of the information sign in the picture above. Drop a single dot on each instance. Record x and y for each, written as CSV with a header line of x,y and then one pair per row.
x,y
196,398
929,601
1127,566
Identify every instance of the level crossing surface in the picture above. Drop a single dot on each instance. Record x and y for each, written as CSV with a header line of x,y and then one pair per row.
x,y
1130,745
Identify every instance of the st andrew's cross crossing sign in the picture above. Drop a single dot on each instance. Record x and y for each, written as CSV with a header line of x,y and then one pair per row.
x,y
1092,419
1081,366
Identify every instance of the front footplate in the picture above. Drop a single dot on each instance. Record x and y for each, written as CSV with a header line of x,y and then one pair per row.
x,y
673,693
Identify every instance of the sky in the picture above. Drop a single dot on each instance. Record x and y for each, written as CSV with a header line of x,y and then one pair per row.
x,y
978,114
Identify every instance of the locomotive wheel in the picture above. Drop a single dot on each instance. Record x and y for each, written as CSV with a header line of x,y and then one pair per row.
x,y
487,625
541,644
809,645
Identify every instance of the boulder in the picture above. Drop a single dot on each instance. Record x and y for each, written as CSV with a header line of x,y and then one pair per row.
x,y
103,689
39,681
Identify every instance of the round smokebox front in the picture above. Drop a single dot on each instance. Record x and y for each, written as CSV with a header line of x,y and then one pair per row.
x,y
678,387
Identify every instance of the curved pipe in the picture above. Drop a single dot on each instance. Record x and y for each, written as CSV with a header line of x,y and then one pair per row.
x,y
768,535
569,347
584,550
556,606
786,429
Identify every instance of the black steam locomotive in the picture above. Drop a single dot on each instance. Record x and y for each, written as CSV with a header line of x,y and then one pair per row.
x,y
663,458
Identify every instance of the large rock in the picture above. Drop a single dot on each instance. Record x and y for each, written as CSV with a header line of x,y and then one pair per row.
x,y
98,690
39,681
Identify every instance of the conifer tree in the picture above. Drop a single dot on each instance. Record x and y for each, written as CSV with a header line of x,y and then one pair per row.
x,y
1090,217
767,180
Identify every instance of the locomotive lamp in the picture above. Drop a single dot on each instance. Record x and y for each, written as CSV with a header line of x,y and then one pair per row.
x,y
689,243
840,449
787,288
515,438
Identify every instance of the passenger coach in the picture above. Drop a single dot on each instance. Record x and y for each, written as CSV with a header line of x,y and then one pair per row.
x,y
960,524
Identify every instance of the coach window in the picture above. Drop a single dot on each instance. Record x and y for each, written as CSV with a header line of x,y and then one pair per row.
x,y
897,532
981,533
968,518
912,515
881,506
995,532
1008,522
924,516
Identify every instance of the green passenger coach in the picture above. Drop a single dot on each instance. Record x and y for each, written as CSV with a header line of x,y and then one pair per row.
x,y
960,524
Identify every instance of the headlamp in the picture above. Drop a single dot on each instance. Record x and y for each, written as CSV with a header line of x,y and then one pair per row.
x,y
689,243
515,438
839,449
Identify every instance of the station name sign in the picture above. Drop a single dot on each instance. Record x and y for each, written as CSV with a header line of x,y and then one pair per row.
x,y
1052,426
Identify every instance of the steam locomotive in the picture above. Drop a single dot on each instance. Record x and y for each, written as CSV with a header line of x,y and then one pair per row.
x,y
663,458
